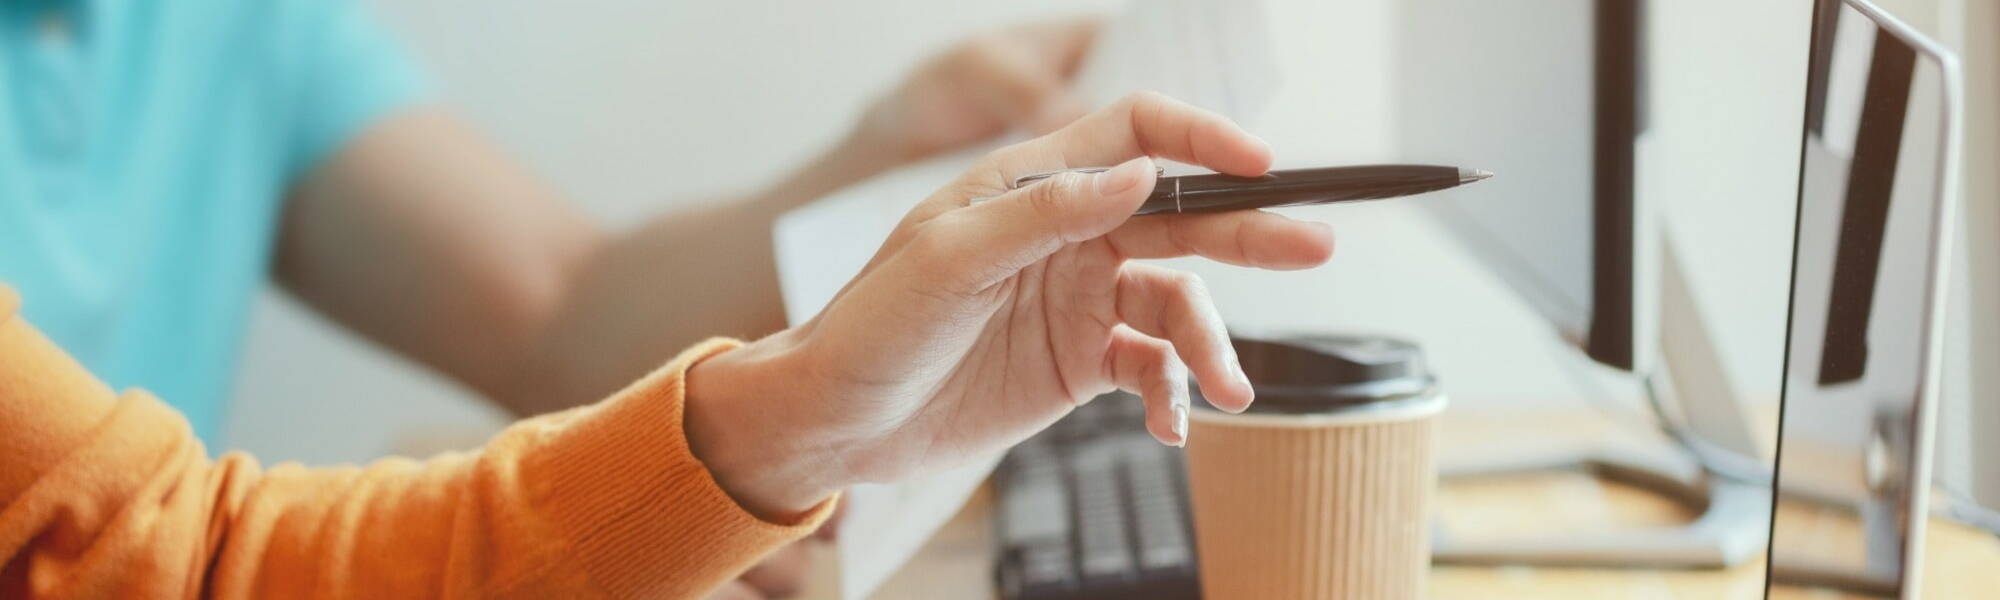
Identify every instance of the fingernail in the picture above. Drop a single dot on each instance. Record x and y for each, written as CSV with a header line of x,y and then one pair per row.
x,y
1242,380
1181,423
1123,177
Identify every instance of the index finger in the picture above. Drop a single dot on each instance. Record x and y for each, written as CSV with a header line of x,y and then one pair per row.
x,y
1143,124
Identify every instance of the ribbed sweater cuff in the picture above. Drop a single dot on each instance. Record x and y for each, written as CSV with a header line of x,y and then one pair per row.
x,y
643,515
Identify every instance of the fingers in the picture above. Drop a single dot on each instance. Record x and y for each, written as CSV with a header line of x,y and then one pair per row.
x,y
1251,238
1069,40
1148,367
1174,306
1030,66
1144,124
968,249
1017,86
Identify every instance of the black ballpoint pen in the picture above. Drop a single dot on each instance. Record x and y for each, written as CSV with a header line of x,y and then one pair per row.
x,y
1216,192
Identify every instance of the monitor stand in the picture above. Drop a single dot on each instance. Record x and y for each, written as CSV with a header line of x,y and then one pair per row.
x,y
1732,528
1702,467
1880,515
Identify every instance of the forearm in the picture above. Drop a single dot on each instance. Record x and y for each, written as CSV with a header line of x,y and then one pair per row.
x,y
431,241
102,495
860,154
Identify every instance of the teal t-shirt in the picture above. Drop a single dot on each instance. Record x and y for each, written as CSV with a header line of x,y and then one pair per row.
x,y
145,149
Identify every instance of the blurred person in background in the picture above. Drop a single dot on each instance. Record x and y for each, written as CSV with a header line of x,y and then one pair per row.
x,y
158,159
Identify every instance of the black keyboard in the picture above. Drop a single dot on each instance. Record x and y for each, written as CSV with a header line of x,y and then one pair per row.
x,y
1095,508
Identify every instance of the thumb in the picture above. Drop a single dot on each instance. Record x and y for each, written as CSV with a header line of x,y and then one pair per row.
x,y
981,244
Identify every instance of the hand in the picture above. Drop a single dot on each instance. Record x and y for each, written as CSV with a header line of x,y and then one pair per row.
x,y
1016,77
976,325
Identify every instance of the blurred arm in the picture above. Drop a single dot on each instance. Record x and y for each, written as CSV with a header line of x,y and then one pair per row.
x,y
423,237
107,495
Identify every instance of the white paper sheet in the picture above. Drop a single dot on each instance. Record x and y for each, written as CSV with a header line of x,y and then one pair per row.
x,y
1215,54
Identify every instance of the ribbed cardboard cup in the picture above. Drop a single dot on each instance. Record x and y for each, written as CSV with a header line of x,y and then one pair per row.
x,y
1324,505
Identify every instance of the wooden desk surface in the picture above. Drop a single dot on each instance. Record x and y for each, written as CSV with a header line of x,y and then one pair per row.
x,y
1959,561
957,562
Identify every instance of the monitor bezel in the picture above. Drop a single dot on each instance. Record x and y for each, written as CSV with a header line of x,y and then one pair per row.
x,y
1917,496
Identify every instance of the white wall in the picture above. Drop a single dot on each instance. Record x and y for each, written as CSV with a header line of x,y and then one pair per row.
x,y
631,106
1978,312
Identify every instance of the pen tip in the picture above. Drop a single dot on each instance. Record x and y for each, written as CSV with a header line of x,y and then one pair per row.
x,y
1471,175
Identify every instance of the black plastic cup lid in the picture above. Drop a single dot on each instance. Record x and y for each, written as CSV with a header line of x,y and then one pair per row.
x,y
1331,373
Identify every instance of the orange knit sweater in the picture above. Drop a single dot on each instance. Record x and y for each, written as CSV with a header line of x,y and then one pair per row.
x,y
105,495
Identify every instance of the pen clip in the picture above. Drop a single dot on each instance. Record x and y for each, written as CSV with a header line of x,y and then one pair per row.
x,y
1025,180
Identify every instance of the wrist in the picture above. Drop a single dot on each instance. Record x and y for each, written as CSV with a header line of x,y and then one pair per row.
x,y
863,153
739,424
873,146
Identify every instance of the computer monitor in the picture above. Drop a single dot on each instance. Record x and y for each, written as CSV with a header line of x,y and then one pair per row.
x,y
1554,96
1546,94
1875,209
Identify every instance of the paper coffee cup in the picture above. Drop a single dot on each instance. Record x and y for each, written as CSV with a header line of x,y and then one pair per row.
x,y
1330,504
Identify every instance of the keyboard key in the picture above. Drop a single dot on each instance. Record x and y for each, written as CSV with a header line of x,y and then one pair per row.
x,y
1094,508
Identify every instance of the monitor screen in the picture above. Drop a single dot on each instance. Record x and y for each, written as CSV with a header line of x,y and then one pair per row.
x,y
1860,357
1545,94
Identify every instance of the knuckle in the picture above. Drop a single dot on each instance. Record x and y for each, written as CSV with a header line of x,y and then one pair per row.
x,y
1157,375
977,183
1069,183
1174,373
1188,303
1142,98
998,162
1159,355
1041,199
1177,237
1188,286
1241,238
1048,198
1020,148
930,248
1143,112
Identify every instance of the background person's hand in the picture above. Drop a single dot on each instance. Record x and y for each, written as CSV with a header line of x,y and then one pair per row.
x,y
978,324
781,574
1016,77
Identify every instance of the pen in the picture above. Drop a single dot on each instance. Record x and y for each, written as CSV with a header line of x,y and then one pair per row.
x,y
1216,192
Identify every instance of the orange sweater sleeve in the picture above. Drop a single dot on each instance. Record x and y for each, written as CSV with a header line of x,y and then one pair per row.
x,y
110,495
